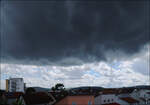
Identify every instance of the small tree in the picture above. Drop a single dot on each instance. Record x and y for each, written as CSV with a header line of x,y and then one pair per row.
x,y
3,100
58,87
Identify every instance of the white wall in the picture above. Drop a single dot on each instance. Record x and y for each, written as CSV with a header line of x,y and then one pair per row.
x,y
105,99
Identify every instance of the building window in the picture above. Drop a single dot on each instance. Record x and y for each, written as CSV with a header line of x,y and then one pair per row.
x,y
73,103
112,100
89,103
104,101
108,100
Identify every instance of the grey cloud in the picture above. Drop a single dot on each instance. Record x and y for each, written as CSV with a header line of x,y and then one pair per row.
x,y
67,29
142,64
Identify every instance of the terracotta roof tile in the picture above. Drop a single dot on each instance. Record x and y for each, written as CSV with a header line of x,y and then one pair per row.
x,y
148,92
124,91
129,100
111,104
143,99
108,91
37,98
13,94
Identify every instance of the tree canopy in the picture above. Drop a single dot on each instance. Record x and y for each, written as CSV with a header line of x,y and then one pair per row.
x,y
30,90
58,87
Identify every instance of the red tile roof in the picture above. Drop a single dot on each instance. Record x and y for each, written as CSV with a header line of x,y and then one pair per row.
x,y
37,98
13,94
143,99
124,91
111,104
108,91
129,100
148,92
117,91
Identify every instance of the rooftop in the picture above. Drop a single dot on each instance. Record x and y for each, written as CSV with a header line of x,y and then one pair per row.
x,y
111,104
143,99
129,100
13,94
37,98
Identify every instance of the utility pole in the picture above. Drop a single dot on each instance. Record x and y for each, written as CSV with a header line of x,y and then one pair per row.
x,y
2,3
0,39
111,72
111,75
0,73
148,32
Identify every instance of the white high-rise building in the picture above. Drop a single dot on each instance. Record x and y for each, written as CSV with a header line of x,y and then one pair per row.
x,y
15,85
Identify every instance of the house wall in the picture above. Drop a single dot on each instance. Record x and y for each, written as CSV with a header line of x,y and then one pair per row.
x,y
97,100
62,102
105,99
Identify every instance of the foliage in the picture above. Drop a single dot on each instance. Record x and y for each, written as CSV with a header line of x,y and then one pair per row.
x,y
19,102
3,101
30,90
60,90
58,87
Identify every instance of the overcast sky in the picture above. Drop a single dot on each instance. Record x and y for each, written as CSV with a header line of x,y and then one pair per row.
x,y
78,43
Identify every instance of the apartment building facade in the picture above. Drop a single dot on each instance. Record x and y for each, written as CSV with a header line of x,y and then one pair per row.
x,y
15,85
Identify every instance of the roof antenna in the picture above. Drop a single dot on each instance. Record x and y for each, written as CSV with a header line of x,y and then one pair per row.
x,y
111,75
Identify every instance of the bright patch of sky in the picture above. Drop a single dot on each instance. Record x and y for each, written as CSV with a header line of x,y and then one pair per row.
x,y
115,65
93,72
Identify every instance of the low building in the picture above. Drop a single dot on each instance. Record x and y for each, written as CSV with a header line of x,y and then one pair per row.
x,y
142,95
106,97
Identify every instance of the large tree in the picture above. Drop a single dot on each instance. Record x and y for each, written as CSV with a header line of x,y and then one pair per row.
x,y
30,90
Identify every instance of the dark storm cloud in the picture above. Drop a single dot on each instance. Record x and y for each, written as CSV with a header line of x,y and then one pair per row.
x,y
61,29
